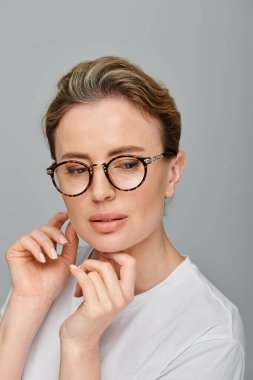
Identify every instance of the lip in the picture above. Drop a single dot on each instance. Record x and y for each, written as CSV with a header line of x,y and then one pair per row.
x,y
117,221
106,215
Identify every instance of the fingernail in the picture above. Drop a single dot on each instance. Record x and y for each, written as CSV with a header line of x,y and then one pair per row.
x,y
42,258
53,253
72,266
63,240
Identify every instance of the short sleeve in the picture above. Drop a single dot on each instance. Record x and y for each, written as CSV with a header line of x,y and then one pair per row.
x,y
209,360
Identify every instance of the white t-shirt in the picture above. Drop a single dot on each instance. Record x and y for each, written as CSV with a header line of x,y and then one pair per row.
x,y
182,328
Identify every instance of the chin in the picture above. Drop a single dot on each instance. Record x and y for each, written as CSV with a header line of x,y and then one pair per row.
x,y
110,247
108,243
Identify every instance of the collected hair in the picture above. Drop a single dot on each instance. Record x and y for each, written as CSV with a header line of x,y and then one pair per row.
x,y
108,77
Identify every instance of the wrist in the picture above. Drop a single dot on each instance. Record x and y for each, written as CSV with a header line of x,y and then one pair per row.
x,y
77,347
22,318
33,303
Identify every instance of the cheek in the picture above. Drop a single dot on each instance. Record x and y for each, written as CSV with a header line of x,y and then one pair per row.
x,y
149,202
75,207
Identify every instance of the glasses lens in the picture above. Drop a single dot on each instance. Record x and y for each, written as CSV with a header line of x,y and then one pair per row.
x,y
71,178
126,173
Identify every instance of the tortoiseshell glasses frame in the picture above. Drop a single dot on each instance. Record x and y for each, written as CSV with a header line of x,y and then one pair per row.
x,y
143,160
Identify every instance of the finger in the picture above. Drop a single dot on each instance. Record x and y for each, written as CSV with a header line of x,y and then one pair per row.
x,y
24,244
109,277
45,242
69,250
55,233
107,260
58,219
127,272
78,290
86,284
104,300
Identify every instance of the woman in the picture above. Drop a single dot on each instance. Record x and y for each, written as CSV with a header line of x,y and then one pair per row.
x,y
141,310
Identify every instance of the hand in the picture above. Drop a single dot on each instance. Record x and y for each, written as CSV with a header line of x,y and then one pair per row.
x,y
30,275
105,297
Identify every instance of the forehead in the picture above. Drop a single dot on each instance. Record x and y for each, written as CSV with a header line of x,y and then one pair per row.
x,y
101,126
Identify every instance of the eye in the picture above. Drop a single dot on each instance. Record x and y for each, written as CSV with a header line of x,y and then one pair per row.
x,y
76,170
129,165
126,164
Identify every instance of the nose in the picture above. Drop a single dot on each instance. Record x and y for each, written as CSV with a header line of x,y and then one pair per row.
x,y
101,189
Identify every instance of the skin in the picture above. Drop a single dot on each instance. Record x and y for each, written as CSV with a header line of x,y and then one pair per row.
x,y
35,285
124,263
96,129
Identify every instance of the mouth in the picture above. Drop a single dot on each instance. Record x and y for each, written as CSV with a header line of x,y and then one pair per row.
x,y
106,217
107,222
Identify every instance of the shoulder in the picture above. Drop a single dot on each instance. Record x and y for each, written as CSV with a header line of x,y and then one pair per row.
x,y
211,305
209,340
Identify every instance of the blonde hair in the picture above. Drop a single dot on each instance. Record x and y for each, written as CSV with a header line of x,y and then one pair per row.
x,y
112,76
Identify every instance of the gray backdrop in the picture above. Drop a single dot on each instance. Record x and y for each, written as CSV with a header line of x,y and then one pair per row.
x,y
203,51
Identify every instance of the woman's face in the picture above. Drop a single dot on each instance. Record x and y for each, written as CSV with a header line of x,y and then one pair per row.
x,y
95,130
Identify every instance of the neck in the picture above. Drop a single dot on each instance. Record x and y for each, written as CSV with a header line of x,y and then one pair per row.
x,y
155,257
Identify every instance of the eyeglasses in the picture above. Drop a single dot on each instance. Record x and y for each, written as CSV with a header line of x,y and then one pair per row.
x,y
125,173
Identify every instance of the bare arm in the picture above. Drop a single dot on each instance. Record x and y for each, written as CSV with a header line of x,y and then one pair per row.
x,y
78,363
18,327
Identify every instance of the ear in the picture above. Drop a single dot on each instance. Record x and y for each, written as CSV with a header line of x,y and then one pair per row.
x,y
175,170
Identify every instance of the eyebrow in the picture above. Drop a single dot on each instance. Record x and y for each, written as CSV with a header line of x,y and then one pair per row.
x,y
119,150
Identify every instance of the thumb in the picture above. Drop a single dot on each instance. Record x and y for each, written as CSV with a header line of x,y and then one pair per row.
x,y
69,250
